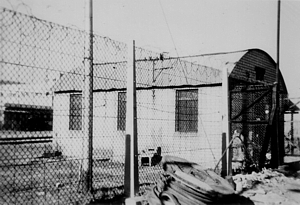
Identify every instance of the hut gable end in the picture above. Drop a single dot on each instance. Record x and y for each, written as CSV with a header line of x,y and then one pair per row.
x,y
251,63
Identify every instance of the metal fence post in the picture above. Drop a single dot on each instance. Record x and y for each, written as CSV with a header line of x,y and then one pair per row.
x,y
131,173
226,161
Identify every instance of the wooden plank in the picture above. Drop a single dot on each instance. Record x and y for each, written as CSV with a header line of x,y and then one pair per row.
x,y
25,142
252,104
24,138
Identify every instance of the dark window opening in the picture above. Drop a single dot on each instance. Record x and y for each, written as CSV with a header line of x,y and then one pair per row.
x,y
260,73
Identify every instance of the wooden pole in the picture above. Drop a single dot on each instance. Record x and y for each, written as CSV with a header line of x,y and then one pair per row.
x,y
275,151
91,87
88,104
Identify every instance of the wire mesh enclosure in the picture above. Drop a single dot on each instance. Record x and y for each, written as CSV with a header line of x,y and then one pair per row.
x,y
250,110
250,122
43,144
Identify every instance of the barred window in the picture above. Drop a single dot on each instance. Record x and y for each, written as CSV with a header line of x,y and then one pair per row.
x,y
75,112
121,124
186,115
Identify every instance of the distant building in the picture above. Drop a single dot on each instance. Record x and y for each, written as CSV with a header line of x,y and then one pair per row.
x,y
25,107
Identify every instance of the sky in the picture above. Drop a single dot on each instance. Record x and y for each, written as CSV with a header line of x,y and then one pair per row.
x,y
181,27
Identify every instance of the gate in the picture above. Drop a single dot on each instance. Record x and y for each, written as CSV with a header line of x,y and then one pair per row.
x,y
250,107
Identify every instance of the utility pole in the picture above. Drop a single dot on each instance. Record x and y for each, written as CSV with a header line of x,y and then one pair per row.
x,y
88,104
275,151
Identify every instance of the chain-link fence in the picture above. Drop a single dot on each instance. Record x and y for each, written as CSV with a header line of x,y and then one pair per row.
x,y
34,55
250,107
250,111
43,142
292,134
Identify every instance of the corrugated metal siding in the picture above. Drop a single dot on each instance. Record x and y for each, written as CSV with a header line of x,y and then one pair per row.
x,y
256,58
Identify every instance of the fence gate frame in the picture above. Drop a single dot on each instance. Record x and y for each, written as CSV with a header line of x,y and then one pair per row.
x,y
250,108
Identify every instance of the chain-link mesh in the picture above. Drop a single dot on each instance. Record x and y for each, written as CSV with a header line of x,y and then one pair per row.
x,y
175,115
250,110
34,55
291,127
43,110
292,135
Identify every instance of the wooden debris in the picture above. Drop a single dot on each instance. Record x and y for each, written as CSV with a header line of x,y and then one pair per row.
x,y
268,187
247,181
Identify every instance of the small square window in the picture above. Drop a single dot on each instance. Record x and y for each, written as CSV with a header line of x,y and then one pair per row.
x,y
260,73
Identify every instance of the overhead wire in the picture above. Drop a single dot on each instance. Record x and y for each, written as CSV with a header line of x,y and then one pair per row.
x,y
161,6
210,147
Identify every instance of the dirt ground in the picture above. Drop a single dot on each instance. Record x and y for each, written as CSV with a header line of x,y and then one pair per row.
x,y
280,186
277,191
268,187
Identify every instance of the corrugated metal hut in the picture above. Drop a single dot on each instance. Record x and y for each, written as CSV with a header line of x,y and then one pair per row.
x,y
179,103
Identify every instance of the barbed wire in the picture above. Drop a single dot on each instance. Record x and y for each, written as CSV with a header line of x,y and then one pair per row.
x,y
61,35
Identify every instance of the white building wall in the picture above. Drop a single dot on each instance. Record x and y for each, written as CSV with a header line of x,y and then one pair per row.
x,y
156,126
108,141
210,126
65,140
203,147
